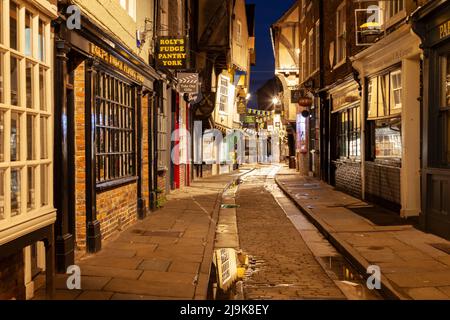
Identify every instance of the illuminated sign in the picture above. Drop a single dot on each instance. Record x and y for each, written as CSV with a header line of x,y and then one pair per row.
x,y
444,30
171,52
113,61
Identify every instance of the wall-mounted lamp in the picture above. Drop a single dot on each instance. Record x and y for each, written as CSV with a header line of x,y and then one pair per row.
x,y
141,36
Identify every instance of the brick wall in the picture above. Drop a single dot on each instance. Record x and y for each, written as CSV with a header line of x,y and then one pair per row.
x,y
117,209
183,169
162,179
348,178
383,183
12,277
80,157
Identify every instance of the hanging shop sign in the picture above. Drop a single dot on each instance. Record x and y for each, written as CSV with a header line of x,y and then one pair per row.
x,y
241,107
188,82
171,53
116,63
295,96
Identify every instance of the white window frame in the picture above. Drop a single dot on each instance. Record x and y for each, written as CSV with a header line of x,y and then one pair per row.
x,y
341,36
220,94
130,7
396,74
11,226
389,18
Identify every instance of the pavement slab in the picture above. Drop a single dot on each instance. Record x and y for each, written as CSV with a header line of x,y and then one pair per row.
x,y
167,255
411,265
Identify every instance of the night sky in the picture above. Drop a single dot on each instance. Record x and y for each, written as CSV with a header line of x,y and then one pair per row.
x,y
267,13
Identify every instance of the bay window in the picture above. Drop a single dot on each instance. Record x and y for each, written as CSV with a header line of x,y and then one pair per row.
x,y
223,94
25,115
384,99
349,133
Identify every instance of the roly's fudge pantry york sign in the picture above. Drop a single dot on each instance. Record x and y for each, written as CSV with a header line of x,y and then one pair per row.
x,y
172,53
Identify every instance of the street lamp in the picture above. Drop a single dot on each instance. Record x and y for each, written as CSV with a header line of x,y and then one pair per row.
x,y
276,101
249,96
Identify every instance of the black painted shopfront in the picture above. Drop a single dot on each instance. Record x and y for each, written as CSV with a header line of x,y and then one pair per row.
x,y
115,84
432,24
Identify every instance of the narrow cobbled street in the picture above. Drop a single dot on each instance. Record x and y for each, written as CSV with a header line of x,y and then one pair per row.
x,y
289,257
283,265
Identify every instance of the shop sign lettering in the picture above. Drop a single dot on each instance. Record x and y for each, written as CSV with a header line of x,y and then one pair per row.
x,y
172,53
113,61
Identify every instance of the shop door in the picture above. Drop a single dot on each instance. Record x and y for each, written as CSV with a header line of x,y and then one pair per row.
x,y
437,175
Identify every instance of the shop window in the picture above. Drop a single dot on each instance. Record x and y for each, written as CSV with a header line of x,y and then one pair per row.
x,y
2,95
115,112
15,192
29,84
28,34
2,136
13,26
41,41
341,43
2,194
44,137
31,142
15,136
384,95
31,201
350,133
223,94
42,88
444,114
15,81
1,24
44,183
24,128
162,139
388,139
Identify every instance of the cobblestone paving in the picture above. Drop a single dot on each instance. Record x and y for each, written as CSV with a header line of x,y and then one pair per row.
x,y
283,267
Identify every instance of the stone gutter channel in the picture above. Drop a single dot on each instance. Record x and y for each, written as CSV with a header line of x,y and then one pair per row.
x,y
351,255
222,232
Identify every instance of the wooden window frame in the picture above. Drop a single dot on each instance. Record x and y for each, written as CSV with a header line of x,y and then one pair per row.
x,y
41,192
349,130
341,37
115,127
